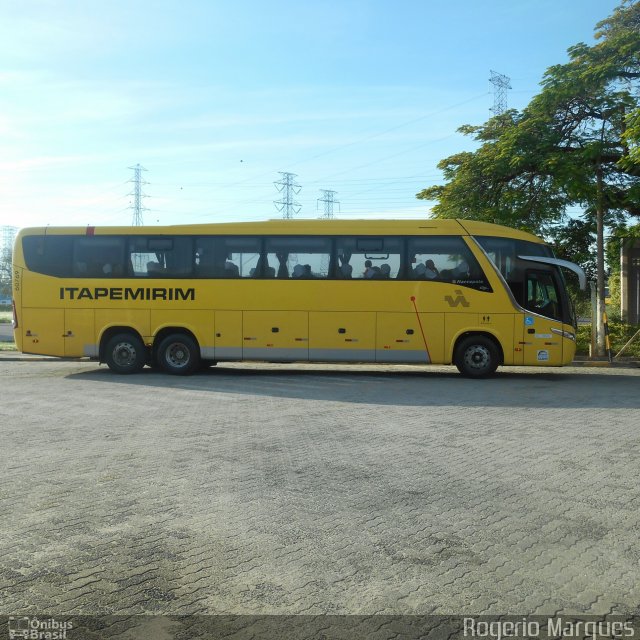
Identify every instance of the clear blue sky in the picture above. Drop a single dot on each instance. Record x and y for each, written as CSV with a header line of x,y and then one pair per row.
x,y
214,98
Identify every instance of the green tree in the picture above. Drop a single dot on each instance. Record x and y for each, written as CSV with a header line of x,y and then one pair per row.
x,y
5,272
575,144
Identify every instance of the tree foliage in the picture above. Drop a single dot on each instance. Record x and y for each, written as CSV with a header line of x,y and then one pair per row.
x,y
5,272
575,145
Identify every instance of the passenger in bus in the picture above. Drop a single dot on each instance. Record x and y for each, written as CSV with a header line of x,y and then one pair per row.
x,y
346,271
283,270
368,269
153,268
419,273
270,272
306,271
298,271
231,270
461,271
385,271
431,272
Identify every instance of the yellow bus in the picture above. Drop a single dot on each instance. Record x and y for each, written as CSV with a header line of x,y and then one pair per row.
x,y
180,298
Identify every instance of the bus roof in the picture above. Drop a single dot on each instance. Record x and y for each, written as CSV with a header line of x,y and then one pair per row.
x,y
303,227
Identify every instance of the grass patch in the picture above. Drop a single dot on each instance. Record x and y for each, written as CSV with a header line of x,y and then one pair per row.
x,y
8,346
5,317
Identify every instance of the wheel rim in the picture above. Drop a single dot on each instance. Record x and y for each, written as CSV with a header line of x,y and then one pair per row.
x,y
477,357
124,354
178,355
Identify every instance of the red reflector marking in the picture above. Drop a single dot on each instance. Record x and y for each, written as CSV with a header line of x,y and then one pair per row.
x,y
91,231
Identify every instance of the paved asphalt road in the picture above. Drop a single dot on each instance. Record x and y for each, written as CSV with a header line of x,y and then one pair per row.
x,y
304,489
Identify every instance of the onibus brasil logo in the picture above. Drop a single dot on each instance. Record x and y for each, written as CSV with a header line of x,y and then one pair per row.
x,y
32,628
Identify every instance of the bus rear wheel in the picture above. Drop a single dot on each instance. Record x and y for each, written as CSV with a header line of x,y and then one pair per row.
x,y
477,357
178,354
125,353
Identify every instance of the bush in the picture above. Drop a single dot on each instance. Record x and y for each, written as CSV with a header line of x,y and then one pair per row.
x,y
583,340
619,334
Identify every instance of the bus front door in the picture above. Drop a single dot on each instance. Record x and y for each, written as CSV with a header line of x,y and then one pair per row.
x,y
541,345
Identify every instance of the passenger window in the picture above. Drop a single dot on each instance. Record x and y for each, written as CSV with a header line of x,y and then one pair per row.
x,y
98,257
227,256
305,258
444,259
160,256
368,258
50,255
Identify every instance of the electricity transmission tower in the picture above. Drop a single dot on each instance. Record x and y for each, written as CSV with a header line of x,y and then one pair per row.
x,y
137,195
328,201
288,187
501,84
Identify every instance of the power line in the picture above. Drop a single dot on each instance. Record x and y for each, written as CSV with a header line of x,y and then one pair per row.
x,y
365,138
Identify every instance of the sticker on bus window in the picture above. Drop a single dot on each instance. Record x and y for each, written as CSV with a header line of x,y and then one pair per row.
x,y
543,356
529,320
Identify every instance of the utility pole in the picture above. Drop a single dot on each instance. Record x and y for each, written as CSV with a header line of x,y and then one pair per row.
x,y
288,187
138,195
501,84
328,201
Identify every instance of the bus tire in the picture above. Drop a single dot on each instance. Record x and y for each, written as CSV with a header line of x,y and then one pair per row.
x,y
477,356
125,353
179,354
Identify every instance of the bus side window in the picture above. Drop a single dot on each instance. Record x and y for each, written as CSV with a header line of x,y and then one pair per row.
x,y
297,257
50,255
178,260
368,258
226,256
98,257
445,259
160,256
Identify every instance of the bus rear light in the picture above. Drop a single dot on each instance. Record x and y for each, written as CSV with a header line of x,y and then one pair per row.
x,y
14,320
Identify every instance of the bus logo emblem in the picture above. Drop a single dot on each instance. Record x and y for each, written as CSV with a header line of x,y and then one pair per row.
x,y
459,299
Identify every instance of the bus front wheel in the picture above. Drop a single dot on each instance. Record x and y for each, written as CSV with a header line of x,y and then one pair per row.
x,y
125,353
178,354
477,357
